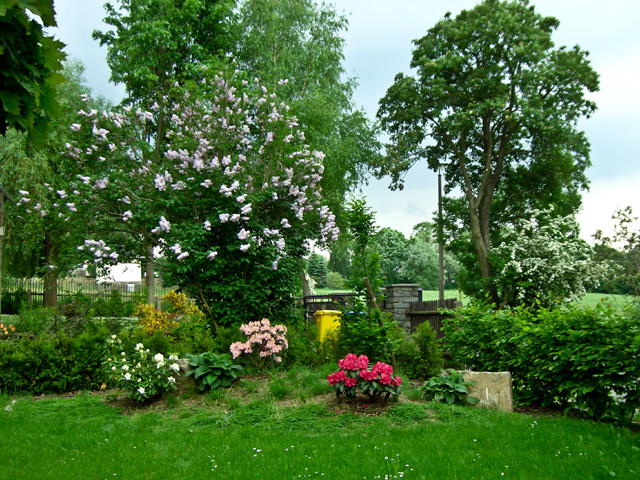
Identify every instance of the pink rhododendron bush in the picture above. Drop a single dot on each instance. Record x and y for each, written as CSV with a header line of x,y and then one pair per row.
x,y
265,343
355,374
218,180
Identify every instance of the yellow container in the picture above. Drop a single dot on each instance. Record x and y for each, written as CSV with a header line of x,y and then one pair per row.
x,y
327,320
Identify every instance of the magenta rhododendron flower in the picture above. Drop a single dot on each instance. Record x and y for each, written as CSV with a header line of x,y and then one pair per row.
x,y
354,375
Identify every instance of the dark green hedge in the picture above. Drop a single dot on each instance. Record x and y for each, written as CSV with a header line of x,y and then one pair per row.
x,y
574,357
52,363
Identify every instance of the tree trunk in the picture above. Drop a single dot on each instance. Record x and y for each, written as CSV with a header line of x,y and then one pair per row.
x,y
480,235
50,297
306,290
150,279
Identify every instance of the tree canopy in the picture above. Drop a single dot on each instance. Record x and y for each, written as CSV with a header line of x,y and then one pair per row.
x,y
299,43
495,105
154,43
30,62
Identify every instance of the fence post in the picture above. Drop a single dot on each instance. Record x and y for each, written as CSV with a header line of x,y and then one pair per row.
x,y
397,299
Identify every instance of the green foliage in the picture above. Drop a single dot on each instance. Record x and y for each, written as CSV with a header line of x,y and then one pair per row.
x,y
621,254
304,347
391,245
335,281
450,388
153,43
317,269
37,244
375,334
421,265
571,356
29,66
301,41
420,356
144,375
52,363
13,302
212,371
232,241
497,107
366,261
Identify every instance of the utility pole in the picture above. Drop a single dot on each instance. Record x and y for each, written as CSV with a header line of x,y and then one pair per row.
x,y
440,241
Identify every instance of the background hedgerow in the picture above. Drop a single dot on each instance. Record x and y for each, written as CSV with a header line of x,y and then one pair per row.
x,y
571,356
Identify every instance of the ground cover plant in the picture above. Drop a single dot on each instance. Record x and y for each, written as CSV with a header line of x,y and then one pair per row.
x,y
233,436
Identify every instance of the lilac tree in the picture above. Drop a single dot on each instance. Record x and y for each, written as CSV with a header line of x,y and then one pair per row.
x,y
233,203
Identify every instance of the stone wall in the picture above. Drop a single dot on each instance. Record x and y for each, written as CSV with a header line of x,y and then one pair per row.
x,y
397,298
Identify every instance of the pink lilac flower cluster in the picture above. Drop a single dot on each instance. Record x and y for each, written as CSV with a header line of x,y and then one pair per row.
x,y
354,372
262,337
211,163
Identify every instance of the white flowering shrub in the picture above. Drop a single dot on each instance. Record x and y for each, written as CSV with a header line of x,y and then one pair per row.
x,y
143,375
544,261
230,196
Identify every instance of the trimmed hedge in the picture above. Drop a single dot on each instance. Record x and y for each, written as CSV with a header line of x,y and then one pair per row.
x,y
52,363
571,356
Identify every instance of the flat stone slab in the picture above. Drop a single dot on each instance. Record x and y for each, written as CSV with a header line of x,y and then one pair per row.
x,y
493,389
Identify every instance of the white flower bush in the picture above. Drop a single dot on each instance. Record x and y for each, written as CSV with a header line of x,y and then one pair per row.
x,y
543,260
143,375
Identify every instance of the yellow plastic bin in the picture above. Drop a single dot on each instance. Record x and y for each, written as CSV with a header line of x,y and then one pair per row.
x,y
327,320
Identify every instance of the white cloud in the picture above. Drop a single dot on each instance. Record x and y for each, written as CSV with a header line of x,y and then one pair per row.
x,y
605,196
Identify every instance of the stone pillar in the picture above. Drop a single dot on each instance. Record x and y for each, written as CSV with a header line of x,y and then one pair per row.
x,y
397,298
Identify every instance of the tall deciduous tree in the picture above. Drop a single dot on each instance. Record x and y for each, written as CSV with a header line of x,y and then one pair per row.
x,y
37,243
392,246
622,253
300,42
236,196
498,104
30,65
152,45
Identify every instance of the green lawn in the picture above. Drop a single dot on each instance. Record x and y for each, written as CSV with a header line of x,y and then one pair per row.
x,y
219,436
589,300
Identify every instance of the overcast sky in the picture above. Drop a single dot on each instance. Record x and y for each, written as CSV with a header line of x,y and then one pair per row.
x,y
378,46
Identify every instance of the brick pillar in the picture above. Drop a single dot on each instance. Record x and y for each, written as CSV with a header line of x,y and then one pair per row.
x,y
397,298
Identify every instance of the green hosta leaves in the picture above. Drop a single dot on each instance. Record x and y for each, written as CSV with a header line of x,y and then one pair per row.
x,y
213,370
450,388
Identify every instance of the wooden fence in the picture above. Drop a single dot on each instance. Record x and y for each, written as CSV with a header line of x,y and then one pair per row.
x,y
32,289
430,311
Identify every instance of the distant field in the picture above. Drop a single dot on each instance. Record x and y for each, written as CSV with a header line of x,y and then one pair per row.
x,y
589,300
592,299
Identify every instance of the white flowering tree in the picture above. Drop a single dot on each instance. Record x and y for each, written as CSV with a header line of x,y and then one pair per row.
x,y
544,260
232,203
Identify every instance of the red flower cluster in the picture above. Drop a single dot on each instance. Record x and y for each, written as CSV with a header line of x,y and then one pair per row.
x,y
355,372
353,362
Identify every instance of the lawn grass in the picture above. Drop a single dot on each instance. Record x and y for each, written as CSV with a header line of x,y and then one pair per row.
x,y
233,435
589,300
592,299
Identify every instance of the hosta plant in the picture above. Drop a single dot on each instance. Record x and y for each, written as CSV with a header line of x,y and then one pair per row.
x,y
450,388
212,371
